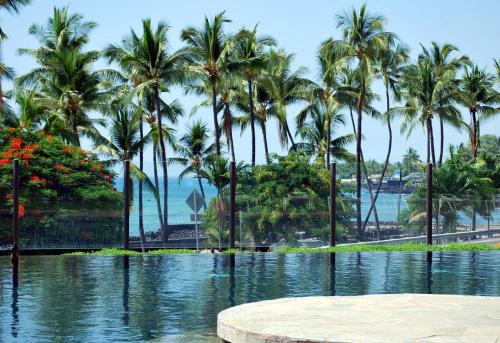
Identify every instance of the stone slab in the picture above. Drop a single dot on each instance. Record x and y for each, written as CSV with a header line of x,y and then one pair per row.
x,y
370,318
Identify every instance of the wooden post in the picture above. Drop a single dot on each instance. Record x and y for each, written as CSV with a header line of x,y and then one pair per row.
x,y
333,204
15,214
429,204
429,210
232,205
126,206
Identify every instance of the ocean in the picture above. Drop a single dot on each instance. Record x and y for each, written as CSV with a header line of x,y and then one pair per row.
x,y
180,212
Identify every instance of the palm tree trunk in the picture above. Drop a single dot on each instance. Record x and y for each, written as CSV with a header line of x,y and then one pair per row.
x,y
290,136
229,118
163,154
157,186
441,145
431,138
474,155
386,163
74,129
328,141
141,207
216,121
358,160
365,171
252,118
264,137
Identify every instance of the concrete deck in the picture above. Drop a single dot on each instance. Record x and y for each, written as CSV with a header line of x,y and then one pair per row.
x,y
371,318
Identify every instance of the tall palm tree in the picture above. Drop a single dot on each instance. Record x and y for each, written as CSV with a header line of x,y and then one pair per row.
x,y
124,144
70,88
479,96
251,52
149,60
364,37
12,6
192,150
390,67
445,69
427,96
65,77
284,87
209,51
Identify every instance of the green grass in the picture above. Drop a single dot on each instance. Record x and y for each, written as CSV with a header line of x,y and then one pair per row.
x,y
119,252
406,247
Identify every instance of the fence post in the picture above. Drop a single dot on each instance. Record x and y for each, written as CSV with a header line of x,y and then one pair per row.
x,y
333,204
15,214
232,205
126,205
429,204
428,217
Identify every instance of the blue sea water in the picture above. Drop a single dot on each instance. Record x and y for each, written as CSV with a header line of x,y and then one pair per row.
x,y
180,212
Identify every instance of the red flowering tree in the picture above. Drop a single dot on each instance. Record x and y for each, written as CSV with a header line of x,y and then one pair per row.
x,y
67,194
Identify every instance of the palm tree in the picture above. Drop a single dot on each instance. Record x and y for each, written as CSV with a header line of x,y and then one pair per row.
x,y
317,131
192,150
208,53
479,96
426,95
148,60
250,50
124,144
215,169
70,88
65,78
170,112
445,69
364,38
6,72
390,67
284,87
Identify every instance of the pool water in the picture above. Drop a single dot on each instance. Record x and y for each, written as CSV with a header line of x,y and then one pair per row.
x,y
176,298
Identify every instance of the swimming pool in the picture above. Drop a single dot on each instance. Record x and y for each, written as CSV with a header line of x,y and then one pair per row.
x,y
176,298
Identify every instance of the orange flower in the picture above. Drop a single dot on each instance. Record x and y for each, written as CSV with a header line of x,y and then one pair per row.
x,y
59,166
4,161
16,142
25,156
21,212
12,130
35,178
49,138
67,148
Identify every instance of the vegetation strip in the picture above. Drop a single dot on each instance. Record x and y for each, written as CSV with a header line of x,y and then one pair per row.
x,y
407,247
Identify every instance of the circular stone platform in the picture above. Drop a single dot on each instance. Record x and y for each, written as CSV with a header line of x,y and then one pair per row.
x,y
370,318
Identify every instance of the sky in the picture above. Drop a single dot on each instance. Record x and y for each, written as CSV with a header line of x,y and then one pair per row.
x,y
299,27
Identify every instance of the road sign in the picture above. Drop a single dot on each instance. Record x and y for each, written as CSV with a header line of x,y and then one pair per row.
x,y
195,201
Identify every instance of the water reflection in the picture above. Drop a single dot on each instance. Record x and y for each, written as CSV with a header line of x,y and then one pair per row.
x,y
177,298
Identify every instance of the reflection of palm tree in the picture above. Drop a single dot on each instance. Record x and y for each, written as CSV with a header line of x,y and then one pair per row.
x,y
192,150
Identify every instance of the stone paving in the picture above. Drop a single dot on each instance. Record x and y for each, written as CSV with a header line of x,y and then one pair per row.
x,y
370,318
